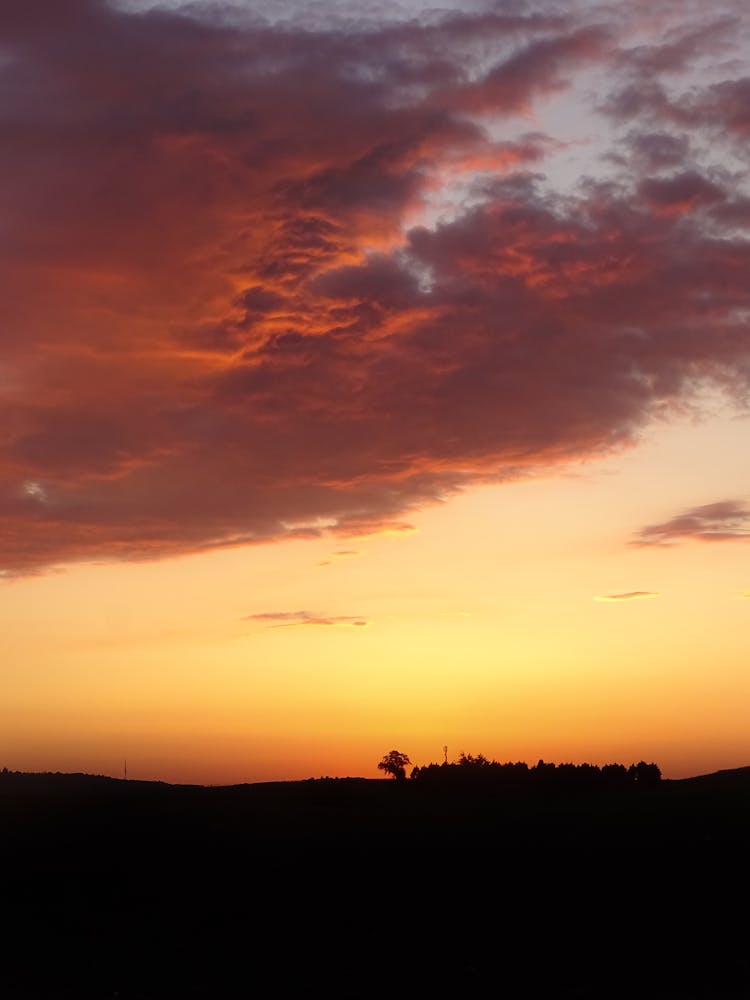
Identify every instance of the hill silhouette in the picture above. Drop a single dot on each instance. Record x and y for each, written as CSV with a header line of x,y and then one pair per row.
x,y
359,888
726,778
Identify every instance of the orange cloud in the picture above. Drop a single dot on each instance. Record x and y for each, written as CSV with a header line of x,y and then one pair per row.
x,y
224,314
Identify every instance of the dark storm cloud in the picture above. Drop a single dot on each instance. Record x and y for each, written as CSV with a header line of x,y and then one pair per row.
x,y
264,281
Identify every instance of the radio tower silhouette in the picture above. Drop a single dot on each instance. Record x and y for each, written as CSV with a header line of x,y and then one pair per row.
x,y
445,754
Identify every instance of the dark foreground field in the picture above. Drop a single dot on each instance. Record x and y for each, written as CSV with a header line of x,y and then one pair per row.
x,y
362,889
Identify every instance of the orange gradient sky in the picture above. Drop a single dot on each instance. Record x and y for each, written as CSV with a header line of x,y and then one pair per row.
x,y
373,384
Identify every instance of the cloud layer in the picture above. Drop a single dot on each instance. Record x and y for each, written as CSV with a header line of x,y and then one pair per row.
x,y
264,281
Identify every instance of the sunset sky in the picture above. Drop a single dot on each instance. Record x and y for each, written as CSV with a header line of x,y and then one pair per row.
x,y
373,376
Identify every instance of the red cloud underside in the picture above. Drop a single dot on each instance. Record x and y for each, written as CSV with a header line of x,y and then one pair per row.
x,y
226,319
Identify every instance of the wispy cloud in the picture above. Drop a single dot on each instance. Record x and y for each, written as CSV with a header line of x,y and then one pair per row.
x,y
724,521
630,595
341,554
292,619
357,528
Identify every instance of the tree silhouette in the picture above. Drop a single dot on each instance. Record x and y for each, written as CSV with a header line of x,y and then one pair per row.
x,y
394,763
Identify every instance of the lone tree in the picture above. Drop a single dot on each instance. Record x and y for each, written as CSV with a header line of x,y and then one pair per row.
x,y
394,763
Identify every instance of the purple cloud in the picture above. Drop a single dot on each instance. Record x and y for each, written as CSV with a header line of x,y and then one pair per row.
x,y
725,521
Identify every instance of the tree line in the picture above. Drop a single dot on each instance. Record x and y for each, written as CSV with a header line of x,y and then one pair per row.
x,y
470,769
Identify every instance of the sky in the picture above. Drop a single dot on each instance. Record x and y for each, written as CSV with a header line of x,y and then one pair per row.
x,y
373,376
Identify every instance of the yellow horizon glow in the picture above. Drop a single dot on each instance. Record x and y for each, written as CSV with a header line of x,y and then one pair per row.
x,y
484,632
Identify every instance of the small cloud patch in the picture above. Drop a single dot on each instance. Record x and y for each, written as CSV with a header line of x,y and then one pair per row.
x,y
35,491
630,595
341,554
294,619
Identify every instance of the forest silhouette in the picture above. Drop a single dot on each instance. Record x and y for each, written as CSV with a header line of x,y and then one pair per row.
x,y
471,769
464,879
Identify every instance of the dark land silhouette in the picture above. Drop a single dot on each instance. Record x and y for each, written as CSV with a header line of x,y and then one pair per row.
x,y
472,879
